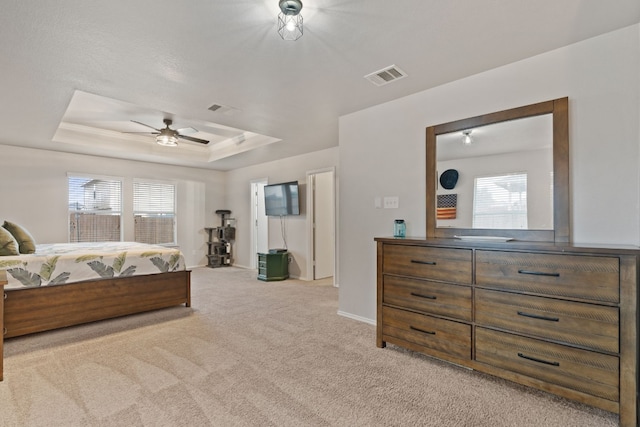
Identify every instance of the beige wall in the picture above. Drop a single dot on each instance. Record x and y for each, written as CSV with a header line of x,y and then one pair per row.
x,y
382,150
33,192
238,200
36,185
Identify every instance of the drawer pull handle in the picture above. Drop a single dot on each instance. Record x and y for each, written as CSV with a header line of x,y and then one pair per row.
x,y
416,261
421,330
537,316
539,273
538,360
422,296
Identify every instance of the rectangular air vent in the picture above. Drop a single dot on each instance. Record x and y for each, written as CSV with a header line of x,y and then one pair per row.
x,y
386,75
223,109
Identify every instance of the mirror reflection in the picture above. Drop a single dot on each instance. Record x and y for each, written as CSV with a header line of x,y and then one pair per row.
x,y
497,176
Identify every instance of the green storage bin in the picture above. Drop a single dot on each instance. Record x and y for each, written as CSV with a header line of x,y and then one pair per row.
x,y
273,266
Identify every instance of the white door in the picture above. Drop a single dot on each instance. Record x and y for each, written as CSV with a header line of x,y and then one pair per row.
x,y
323,224
260,228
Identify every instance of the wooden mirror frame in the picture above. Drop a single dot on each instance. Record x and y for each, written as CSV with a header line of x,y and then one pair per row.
x,y
561,233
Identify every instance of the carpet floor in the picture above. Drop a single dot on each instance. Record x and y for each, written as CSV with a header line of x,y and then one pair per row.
x,y
253,353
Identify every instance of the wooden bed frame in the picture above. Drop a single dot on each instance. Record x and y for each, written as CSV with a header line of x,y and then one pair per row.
x,y
31,310
3,281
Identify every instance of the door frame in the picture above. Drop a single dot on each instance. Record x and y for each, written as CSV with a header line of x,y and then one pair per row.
x,y
253,256
311,220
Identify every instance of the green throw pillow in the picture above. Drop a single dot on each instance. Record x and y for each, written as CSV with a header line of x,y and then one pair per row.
x,y
26,242
8,244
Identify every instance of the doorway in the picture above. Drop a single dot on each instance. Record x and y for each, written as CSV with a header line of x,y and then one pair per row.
x,y
259,221
321,203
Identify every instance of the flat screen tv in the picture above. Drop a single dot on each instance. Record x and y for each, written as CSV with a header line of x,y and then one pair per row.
x,y
281,199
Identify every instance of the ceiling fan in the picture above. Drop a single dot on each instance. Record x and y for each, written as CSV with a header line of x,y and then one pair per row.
x,y
169,137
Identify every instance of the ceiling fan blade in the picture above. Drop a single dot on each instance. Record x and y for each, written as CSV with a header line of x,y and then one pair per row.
x,y
186,130
144,133
192,139
140,123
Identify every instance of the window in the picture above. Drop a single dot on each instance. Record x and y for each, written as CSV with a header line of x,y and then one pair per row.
x,y
500,201
95,209
154,212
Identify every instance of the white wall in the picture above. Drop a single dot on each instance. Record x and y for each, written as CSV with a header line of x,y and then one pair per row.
x,y
238,201
536,164
382,150
34,193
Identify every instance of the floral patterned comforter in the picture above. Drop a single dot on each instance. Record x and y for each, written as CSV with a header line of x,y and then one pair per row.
x,y
61,263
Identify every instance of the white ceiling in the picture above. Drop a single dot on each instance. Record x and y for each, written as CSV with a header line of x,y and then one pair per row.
x,y
514,136
150,59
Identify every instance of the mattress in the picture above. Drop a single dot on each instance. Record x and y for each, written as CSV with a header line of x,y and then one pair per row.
x,y
63,263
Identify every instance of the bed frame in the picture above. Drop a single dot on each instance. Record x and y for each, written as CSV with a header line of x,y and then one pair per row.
x,y
31,310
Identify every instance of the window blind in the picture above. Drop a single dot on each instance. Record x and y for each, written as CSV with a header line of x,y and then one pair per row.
x,y
95,209
154,212
500,201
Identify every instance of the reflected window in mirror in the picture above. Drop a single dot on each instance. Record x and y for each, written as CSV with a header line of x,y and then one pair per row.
x,y
500,201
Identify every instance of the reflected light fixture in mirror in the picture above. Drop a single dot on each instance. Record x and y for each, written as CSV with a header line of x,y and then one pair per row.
x,y
551,114
466,137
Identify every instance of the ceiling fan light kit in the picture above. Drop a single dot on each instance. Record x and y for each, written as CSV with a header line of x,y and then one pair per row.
x,y
167,140
290,20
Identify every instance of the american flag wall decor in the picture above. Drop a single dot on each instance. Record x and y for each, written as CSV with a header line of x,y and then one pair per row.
x,y
447,206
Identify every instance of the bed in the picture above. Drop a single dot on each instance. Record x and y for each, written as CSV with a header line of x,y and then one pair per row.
x,y
73,283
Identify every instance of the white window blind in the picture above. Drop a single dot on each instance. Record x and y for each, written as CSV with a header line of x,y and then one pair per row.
x,y
154,212
95,209
500,201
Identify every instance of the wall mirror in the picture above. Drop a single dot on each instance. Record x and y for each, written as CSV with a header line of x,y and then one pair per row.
x,y
503,174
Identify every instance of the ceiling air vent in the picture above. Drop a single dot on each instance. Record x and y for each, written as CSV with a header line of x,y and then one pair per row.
x,y
224,109
386,75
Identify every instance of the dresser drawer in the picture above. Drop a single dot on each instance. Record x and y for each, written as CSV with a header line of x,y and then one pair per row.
x,y
451,265
585,371
430,297
436,336
584,277
580,324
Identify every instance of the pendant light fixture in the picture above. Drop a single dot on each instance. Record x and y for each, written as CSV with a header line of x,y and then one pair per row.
x,y
290,20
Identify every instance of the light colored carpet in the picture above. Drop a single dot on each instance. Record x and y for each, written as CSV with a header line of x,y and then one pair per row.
x,y
253,353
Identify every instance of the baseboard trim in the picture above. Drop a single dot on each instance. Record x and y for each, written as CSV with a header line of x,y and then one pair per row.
x,y
356,317
243,266
191,267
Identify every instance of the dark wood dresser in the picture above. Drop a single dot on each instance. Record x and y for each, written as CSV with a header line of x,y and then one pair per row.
x,y
561,318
